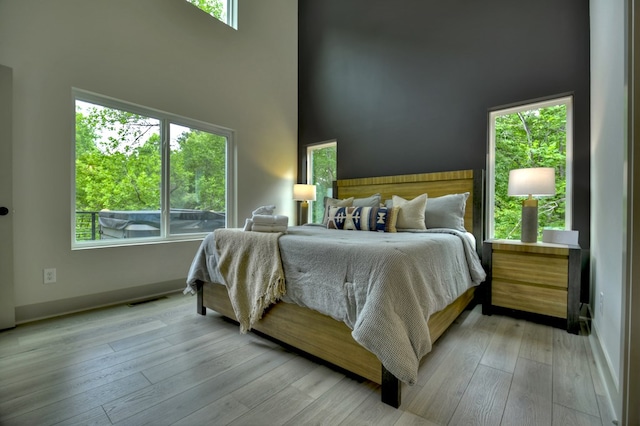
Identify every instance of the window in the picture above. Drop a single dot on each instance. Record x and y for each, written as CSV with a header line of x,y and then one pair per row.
x,y
321,171
144,175
531,135
223,10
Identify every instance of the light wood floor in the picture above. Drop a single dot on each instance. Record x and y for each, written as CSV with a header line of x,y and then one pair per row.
x,y
160,363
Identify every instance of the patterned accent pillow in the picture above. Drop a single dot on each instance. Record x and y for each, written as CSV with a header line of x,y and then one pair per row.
x,y
334,202
380,219
371,201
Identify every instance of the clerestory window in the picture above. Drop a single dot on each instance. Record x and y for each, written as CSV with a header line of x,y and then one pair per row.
x,y
223,10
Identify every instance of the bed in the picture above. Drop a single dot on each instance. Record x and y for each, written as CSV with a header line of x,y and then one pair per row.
x,y
330,336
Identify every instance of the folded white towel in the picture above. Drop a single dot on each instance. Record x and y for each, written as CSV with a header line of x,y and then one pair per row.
x,y
268,228
264,219
265,210
248,223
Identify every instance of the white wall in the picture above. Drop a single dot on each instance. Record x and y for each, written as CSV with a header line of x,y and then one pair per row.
x,y
608,147
163,54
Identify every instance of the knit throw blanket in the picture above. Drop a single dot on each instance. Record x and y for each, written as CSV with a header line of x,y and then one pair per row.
x,y
251,266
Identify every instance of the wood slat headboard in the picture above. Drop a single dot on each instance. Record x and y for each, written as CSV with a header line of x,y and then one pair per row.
x,y
433,184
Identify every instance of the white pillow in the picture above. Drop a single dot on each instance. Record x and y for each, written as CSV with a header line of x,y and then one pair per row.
x,y
446,211
411,213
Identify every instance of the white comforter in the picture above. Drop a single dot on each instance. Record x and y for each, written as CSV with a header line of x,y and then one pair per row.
x,y
384,286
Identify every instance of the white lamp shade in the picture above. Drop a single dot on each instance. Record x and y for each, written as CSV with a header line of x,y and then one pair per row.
x,y
303,192
532,181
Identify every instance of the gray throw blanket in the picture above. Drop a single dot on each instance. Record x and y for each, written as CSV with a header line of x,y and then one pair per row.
x,y
249,263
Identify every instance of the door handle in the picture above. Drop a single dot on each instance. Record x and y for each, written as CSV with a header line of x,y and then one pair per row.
x,y
4,211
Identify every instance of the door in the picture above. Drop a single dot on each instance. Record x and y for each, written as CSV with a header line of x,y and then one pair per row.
x,y
7,309
631,292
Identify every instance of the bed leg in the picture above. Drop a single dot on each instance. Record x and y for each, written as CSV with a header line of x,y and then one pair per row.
x,y
391,389
200,299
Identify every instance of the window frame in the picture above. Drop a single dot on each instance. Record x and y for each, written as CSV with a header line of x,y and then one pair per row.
x,y
566,100
232,14
165,119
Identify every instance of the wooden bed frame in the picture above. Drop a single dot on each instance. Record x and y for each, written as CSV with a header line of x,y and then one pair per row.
x,y
331,340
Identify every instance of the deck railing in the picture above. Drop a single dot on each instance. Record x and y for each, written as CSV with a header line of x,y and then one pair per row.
x,y
87,227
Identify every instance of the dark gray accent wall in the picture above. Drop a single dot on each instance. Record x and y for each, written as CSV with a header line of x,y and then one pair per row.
x,y
405,86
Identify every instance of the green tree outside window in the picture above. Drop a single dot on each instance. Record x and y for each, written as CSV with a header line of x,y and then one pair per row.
x,y
530,138
322,164
118,165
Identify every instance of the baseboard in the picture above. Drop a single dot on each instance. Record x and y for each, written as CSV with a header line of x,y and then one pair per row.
x,y
38,311
610,382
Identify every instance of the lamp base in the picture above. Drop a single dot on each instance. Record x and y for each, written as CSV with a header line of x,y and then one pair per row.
x,y
303,213
529,228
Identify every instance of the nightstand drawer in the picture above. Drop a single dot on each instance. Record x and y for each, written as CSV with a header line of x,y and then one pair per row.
x,y
531,268
529,298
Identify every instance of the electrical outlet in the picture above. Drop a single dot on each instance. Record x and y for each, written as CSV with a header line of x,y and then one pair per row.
x,y
49,276
601,303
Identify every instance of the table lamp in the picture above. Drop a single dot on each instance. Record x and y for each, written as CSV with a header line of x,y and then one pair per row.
x,y
532,181
304,193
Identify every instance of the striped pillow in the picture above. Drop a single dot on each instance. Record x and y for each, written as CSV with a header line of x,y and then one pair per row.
x,y
380,219
334,202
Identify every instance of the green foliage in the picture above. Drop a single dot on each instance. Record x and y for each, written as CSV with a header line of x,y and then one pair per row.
x,y
118,161
212,7
198,172
85,136
323,174
535,138
119,164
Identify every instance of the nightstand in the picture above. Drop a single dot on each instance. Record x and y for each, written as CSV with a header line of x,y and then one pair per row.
x,y
538,278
